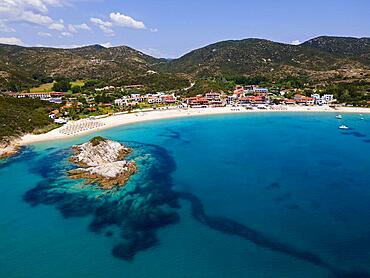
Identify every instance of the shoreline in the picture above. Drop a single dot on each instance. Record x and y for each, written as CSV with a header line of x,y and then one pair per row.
x,y
80,127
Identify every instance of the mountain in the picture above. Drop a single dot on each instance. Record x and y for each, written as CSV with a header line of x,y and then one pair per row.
x,y
22,64
320,58
354,48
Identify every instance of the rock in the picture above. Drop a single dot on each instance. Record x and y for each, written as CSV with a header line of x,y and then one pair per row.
x,y
101,162
7,150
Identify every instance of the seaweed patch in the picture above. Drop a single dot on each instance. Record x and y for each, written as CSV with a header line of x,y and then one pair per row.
x,y
138,210
146,204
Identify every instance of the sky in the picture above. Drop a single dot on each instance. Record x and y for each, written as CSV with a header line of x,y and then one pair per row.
x,y
171,28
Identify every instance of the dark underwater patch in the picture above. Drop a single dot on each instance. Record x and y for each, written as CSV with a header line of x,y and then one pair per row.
x,y
228,226
283,197
173,134
138,212
272,186
24,154
355,134
144,206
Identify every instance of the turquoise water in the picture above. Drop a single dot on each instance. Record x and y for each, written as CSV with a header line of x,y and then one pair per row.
x,y
258,195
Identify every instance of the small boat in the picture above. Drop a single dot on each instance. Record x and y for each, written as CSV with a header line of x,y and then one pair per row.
x,y
343,127
339,117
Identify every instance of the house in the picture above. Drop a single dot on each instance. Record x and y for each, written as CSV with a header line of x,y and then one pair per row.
x,y
55,97
215,99
303,100
238,91
213,96
154,100
321,100
169,99
328,98
197,101
106,88
53,114
289,101
126,101
253,100
259,90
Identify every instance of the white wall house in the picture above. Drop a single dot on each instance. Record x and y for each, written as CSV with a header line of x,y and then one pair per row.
x,y
322,100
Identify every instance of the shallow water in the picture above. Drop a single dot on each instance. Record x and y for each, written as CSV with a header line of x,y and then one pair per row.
x,y
257,195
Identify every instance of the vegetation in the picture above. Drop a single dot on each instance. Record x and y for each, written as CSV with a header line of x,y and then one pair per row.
x,y
320,59
63,85
46,87
357,94
96,140
255,57
157,82
20,116
203,86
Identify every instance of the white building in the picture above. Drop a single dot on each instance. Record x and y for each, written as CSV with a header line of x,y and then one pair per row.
x,y
322,100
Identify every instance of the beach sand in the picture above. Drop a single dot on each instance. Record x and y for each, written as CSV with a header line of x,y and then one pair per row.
x,y
83,127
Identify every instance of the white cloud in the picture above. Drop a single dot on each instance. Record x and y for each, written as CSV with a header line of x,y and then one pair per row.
x,y
66,34
296,42
12,40
105,26
34,18
107,44
31,12
59,26
44,34
154,30
118,20
153,52
126,21
5,28
75,27
98,21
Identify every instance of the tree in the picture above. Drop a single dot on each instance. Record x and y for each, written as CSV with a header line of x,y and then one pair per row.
x,y
62,85
76,89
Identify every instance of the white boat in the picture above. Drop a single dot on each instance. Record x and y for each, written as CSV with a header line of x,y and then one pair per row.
x,y
339,117
343,127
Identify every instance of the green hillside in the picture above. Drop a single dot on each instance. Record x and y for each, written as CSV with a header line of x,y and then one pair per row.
x,y
20,116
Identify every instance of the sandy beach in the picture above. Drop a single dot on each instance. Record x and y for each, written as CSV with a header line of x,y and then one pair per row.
x,y
83,127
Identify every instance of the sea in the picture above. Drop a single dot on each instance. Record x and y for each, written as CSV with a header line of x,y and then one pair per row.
x,y
247,195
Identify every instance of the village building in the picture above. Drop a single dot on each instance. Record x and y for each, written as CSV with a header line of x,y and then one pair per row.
x,y
53,97
303,100
322,100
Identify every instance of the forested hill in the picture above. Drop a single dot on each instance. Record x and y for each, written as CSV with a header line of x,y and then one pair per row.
x,y
29,65
20,116
318,59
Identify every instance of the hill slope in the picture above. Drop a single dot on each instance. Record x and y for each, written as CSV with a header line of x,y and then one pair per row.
x,y
20,116
320,58
22,64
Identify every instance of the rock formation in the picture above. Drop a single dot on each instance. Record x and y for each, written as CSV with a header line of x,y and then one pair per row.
x,y
7,150
102,161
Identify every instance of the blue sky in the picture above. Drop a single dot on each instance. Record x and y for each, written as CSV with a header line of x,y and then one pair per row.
x,y
170,28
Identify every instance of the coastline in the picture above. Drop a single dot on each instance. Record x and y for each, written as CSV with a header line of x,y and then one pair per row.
x,y
137,117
